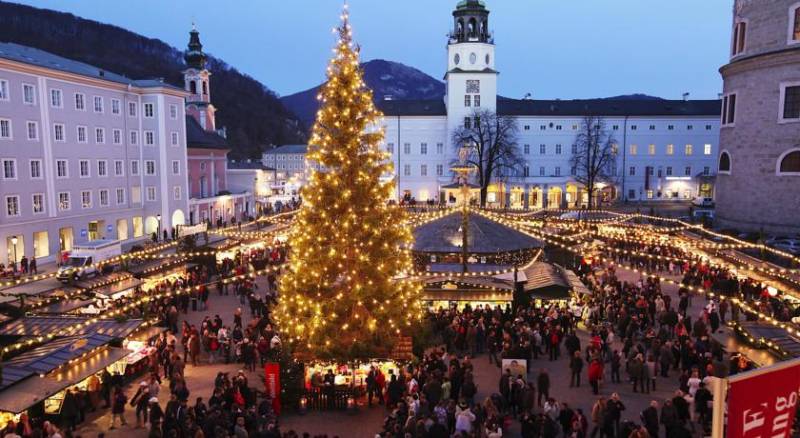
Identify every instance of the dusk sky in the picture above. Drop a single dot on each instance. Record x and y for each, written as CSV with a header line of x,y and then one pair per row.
x,y
551,48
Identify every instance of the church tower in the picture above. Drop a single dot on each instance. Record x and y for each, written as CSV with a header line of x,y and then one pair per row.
x,y
471,78
196,81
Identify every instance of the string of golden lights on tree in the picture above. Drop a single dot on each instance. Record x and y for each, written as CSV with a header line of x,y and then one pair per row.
x,y
346,293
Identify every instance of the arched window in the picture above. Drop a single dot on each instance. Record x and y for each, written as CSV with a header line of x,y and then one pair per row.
x,y
725,162
460,28
472,28
193,87
205,88
789,162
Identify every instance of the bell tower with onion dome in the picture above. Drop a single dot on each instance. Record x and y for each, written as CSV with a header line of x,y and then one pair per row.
x,y
471,78
196,79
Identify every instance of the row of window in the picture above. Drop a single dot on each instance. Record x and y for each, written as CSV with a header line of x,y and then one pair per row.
x,y
14,207
688,150
739,38
788,105
9,170
613,127
79,101
526,170
423,148
787,164
423,170
82,134
668,171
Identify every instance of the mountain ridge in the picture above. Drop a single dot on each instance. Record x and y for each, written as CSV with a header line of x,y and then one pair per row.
x,y
252,113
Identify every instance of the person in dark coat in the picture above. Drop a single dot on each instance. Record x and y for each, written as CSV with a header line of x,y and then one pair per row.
x,y
156,413
669,417
650,418
543,382
576,366
70,410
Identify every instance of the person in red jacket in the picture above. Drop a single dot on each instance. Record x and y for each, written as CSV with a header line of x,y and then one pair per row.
x,y
595,374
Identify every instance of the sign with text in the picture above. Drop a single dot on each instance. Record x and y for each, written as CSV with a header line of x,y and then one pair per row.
x,y
761,403
188,230
272,384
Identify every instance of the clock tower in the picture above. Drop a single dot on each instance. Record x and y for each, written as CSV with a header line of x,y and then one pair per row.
x,y
471,78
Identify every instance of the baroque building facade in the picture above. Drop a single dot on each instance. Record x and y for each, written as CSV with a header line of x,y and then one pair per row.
x,y
86,154
667,149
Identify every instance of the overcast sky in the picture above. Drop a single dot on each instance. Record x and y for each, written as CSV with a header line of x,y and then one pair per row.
x,y
550,48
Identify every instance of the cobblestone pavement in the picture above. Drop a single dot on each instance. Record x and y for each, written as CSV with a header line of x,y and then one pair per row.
x,y
366,422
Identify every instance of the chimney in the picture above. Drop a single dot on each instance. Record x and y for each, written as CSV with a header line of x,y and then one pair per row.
x,y
388,97
685,97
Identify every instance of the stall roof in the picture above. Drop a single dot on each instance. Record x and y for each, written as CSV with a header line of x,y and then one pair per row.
x,y
575,283
485,236
542,275
31,389
43,325
66,306
121,286
52,355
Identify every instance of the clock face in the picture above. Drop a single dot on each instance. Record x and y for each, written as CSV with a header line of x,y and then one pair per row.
x,y
457,58
473,58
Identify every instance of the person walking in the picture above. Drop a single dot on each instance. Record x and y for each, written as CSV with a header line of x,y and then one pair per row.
x,y
543,382
576,366
118,408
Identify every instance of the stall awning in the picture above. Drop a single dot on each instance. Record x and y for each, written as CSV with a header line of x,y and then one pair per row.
x,y
489,283
460,295
66,306
118,287
44,325
33,389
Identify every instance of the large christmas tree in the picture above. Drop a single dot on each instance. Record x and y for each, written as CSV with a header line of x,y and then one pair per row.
x,y
344,295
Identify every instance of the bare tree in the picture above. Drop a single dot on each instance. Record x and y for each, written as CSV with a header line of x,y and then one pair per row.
x,y
594,161
493,149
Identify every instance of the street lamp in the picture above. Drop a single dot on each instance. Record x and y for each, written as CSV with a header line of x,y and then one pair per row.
x,y
14,242
158,229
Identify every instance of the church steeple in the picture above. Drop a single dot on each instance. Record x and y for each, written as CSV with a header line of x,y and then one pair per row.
x,y
194,57
196,80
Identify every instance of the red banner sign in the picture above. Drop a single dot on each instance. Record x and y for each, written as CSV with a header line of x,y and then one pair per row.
x,y
272,383
764,405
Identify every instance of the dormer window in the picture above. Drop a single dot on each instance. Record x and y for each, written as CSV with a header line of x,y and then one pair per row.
x,y
739,38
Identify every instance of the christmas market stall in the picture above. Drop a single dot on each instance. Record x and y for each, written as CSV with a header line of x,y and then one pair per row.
x,y
446,292
38,381
547,283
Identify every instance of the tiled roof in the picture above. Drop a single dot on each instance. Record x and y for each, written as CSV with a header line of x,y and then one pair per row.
x,y
288,149
40,58
199,138
608,107
430,107
556,108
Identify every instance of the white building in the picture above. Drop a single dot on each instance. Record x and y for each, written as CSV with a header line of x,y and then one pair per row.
x,y
667,148
86,154
291,169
